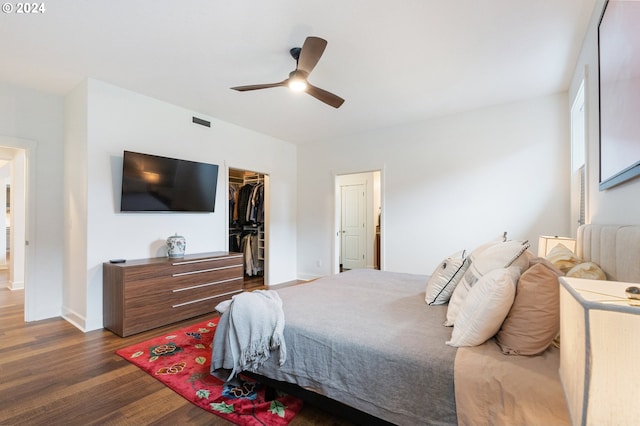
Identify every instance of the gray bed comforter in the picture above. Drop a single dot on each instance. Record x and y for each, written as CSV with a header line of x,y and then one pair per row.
x,y
368,339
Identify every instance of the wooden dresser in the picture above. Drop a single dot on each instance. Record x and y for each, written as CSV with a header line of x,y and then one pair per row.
x,y
142,294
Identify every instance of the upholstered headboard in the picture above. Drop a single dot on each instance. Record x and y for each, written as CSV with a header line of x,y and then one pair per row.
x,y
616,248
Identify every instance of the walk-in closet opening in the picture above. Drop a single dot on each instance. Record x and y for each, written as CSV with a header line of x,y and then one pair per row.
x,y
247,227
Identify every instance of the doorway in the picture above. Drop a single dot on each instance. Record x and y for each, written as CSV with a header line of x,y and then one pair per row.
x,y
248,218
353,238
5,237
13,177
358,216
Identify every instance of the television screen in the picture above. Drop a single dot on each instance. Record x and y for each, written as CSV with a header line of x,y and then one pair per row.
x,y
153,183
619,78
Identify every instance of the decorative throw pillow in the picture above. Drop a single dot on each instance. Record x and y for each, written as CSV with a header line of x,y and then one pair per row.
x,y
534,318
485,308
563,258
589,270
445,278
534,260
500,255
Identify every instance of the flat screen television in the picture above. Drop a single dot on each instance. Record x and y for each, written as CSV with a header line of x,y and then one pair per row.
x,y
151,183
619,78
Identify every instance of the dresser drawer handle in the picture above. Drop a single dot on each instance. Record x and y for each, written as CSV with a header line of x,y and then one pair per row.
x,y
206,298
199,271
210,259
206,284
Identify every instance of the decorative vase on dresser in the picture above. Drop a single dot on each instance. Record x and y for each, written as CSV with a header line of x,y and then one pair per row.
x,y
176,245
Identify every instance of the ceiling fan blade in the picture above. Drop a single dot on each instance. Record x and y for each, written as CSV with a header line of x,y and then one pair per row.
x,y
311,52
260,86
324,96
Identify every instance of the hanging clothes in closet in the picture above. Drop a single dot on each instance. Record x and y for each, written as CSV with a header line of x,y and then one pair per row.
x,y
251,204
234,192
253,265
235,231
246,222
256,210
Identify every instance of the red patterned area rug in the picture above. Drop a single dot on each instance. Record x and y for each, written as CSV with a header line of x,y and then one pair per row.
x,y
182,359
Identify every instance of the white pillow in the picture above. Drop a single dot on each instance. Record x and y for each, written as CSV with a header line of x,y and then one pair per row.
x,y
485,308
500,255
445,278
457,299
462,288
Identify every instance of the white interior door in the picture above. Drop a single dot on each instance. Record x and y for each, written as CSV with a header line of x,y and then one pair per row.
x,y
353,229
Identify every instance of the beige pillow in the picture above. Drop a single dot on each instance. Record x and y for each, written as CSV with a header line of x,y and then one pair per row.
x,y
495,256
588,270
563,258
534,260
534,319
485,308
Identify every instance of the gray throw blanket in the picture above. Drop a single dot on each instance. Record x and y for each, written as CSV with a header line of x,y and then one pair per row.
x,y
249,329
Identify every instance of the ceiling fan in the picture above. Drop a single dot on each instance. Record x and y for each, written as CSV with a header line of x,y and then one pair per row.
x,y
306,59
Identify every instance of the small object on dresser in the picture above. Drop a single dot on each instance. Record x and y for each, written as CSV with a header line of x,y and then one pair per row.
x,y
117,261
632,292
176,245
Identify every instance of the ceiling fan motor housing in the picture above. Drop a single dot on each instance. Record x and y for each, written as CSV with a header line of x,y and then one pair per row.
x,y
295,52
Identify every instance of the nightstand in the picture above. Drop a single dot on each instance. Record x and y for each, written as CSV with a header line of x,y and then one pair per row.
x,y
599,352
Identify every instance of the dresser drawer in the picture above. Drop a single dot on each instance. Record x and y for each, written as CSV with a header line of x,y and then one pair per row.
x,y
141,316
186,267
142,320
160,297
168,284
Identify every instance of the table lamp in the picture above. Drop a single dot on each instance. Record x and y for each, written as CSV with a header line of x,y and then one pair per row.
x,y
547,242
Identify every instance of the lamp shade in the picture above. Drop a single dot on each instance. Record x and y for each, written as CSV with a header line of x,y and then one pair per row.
x,y
547,242
599,347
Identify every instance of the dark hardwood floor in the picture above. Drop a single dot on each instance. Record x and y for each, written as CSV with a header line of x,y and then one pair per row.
x,y
51,373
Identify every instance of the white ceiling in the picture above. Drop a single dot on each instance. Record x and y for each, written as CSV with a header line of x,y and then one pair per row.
x,y
395,62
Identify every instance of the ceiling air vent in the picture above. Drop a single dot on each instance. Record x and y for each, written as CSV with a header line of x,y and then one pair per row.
x,y
201,122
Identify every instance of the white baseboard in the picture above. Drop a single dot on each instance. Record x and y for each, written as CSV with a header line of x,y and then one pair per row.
x,y
15,285
309,277
77,320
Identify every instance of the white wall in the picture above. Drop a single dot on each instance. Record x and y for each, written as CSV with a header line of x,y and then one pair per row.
x,y
447,184
74,307
617,205
33,121
118,120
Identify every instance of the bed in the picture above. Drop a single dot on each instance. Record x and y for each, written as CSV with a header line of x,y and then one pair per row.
x,y
367,339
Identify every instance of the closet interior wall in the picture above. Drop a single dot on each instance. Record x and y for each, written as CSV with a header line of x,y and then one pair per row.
x,y
246,222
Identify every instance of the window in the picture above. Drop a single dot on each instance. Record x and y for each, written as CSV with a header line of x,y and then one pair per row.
x,y
578,154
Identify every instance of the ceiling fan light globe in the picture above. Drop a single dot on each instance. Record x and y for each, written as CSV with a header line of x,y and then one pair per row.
x,y
297,85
